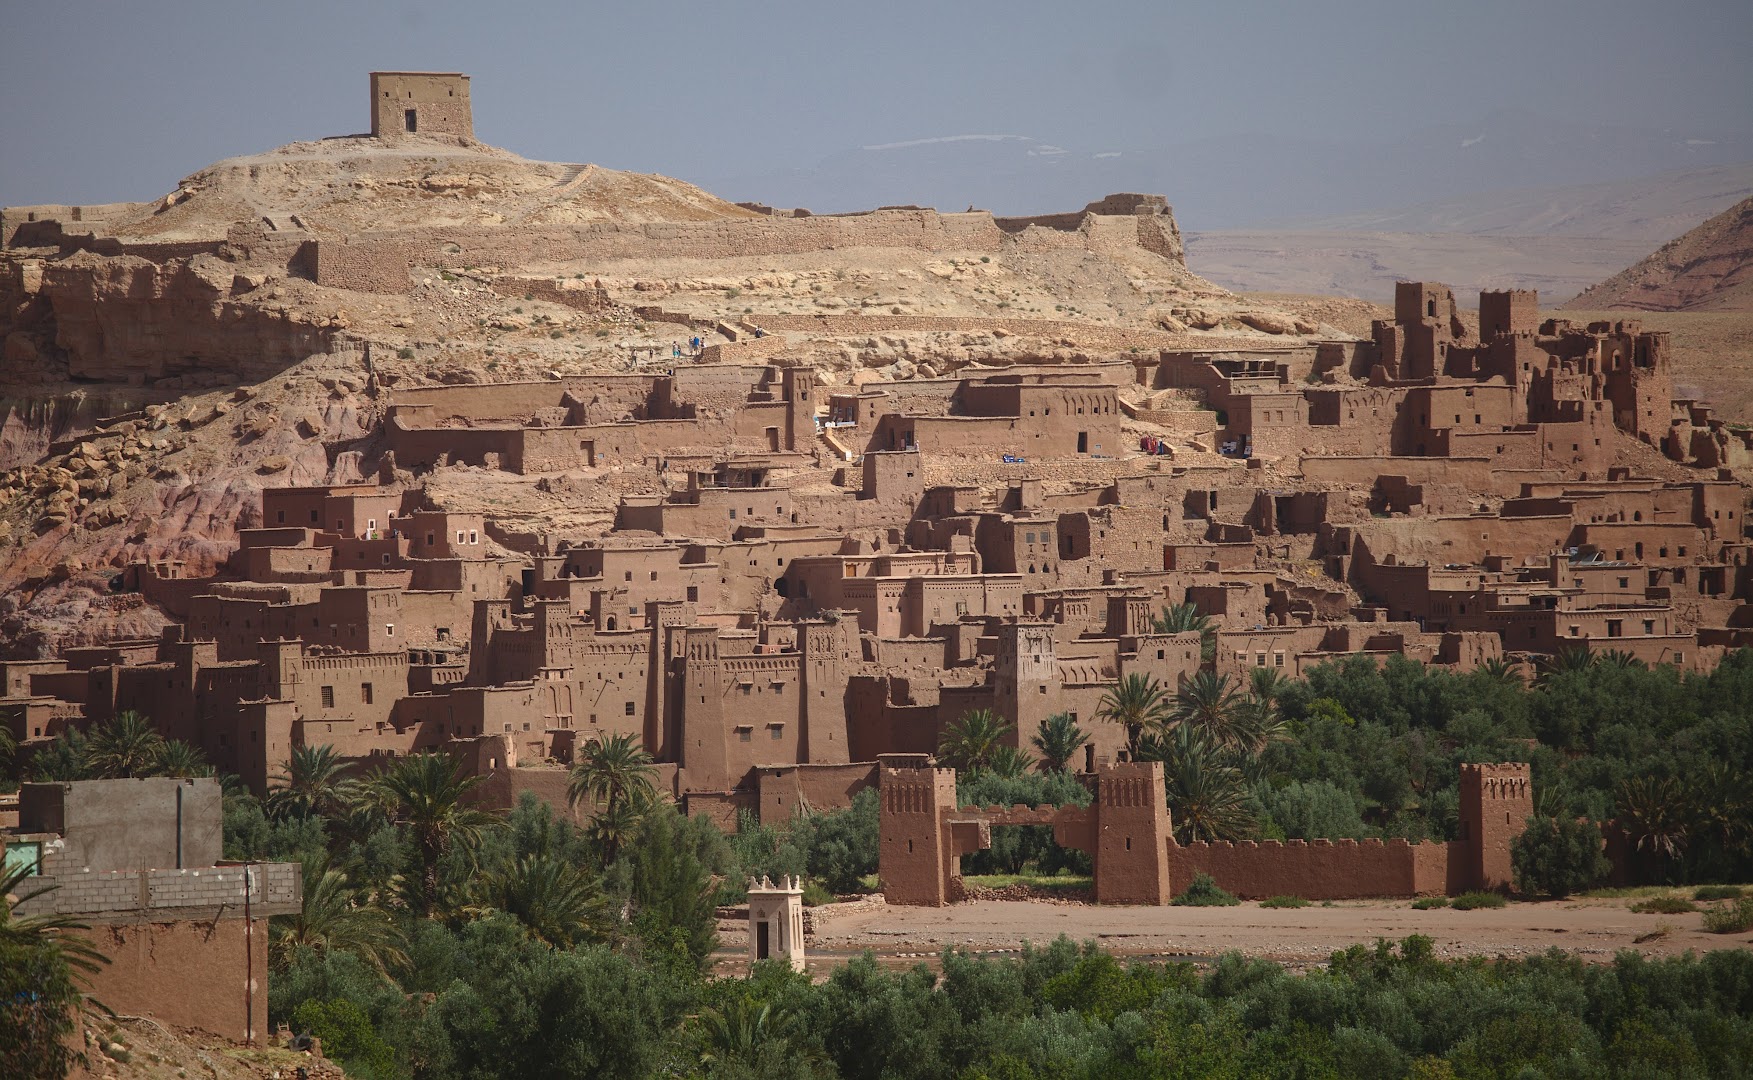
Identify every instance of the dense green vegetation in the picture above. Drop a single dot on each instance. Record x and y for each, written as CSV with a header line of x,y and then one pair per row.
x,y
41,963
505,1004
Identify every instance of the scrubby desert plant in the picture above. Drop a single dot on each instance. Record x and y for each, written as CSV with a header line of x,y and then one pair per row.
x,y
1426,903
1733,918
1284,902
1718,892
1204,891
1664,905
1468,901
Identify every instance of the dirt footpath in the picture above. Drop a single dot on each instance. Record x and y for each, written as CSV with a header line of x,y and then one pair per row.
x,y
1593,929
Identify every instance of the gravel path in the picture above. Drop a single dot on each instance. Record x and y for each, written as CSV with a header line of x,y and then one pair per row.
x,y
1593,929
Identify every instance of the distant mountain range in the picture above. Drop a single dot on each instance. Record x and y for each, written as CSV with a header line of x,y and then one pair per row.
x,y
1652,209
1251,181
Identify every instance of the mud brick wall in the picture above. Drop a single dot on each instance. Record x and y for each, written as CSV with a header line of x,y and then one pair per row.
x,y
380,263
1316,869
205,974
785,789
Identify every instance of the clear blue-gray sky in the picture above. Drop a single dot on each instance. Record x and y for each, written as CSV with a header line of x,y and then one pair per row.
x,y
107,101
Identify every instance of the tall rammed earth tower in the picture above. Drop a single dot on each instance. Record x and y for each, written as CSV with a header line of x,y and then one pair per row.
x,y
1496,803
420,103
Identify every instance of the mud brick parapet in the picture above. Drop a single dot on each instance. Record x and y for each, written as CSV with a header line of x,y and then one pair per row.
x,y
1318,869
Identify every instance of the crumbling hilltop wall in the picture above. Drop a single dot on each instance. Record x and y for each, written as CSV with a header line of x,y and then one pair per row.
x,y
379,262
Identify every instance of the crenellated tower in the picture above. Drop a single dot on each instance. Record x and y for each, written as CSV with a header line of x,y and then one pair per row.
x,y
1496,802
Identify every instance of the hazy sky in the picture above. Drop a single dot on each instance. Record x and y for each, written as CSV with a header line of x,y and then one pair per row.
x,y
105,101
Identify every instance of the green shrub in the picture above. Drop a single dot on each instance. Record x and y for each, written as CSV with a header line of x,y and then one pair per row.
x,y
815,894
1664,905
1284,902
1425,903
1735,918
1717,892
404,354
1467,901
1204,892
347,1037
1557,858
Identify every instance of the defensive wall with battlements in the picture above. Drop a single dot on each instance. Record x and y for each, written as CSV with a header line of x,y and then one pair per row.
x,y
1136,860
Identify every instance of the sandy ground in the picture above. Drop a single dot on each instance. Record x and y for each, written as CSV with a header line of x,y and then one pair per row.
x,y
1593,929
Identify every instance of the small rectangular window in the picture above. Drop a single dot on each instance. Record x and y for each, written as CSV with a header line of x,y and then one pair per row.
x,y
365,693
328,693
628,708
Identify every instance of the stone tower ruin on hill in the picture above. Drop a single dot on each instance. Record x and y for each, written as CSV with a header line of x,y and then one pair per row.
x,y
420,103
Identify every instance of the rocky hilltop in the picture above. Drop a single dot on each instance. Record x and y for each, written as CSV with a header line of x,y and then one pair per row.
x,y
1707,269
164,360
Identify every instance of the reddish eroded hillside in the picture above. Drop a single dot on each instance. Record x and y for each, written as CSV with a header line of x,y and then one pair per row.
x,y
1707,269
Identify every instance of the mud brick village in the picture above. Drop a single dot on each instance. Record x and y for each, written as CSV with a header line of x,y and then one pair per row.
x,y
399,444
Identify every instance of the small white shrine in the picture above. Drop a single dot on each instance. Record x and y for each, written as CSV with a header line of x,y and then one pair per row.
x,y
776,920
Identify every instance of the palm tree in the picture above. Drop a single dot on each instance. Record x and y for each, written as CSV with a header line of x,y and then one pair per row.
x,y
1571,659
1719,805
1010,762
334,918
753,1034
425,795
1059,739
66,758
612,772
127,746
1257,723
1135,703
1187,618
1208,702
1618,658
617,775
612,827
46,931
8,742
1653,817
1266,685
178,758
43,963
969,743
1498,670
314,784
1205,790
552,898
